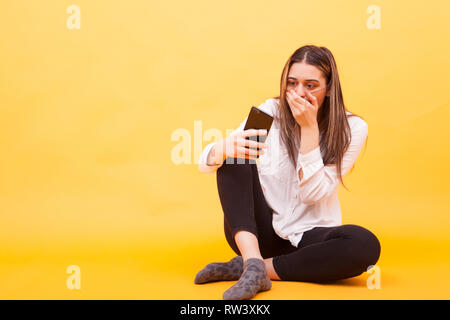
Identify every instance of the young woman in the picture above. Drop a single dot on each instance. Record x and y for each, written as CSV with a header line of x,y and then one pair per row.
x,y
282,215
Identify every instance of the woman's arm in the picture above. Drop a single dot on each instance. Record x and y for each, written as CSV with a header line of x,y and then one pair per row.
x,y
216,156
206,160
319,181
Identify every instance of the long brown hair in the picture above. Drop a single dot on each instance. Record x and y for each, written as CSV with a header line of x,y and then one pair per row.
x,y
334,129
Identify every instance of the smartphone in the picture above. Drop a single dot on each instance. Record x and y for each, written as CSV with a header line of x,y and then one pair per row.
x,y
258,119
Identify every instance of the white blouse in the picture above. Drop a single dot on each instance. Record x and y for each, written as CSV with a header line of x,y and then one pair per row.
x,y
298,206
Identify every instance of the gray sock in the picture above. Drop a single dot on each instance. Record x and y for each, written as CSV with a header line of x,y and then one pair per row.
x,y
221,271
253,280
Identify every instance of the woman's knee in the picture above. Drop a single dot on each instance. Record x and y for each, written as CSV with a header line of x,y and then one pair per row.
x,y
234,167
366,244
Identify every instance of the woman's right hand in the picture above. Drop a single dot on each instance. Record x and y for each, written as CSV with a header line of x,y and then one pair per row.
x,y
237,146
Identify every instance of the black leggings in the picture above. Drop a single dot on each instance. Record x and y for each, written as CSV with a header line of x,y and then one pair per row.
x,y
324,254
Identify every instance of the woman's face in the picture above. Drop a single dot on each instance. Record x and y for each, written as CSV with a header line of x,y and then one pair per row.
x,y
304,77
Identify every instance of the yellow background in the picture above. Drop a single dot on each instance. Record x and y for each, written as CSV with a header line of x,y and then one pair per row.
x,y
86,174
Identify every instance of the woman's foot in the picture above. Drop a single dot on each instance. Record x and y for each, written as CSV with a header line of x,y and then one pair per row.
x,y
221,271
253,280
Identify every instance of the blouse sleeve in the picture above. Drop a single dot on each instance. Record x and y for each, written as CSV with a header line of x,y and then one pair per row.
x,y
320,181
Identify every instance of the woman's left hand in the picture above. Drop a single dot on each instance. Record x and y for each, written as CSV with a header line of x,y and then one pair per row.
x,y
304,111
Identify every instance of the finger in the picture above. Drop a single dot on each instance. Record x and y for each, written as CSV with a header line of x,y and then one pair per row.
x,y
254,132
298,102
249,151
306,102
299,99
302,108
253,144
251,157
290,95
312,98
300,105
242,151
255,152
292,103
246,157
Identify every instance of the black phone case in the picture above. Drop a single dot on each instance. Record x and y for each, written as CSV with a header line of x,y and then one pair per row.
x,y
258,119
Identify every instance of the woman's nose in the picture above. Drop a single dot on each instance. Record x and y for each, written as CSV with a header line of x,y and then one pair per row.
x,y
301,92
